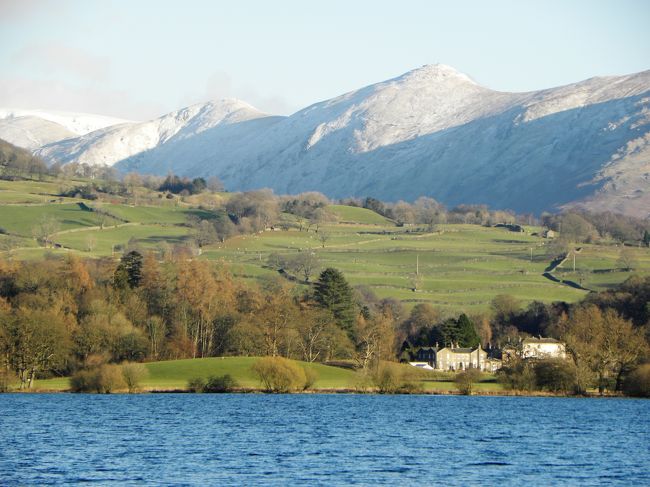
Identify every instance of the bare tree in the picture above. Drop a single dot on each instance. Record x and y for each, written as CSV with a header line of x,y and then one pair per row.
x,y
45,228
627,259
323,237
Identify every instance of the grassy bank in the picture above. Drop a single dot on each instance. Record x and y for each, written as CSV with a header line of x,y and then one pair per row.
x,y
173,375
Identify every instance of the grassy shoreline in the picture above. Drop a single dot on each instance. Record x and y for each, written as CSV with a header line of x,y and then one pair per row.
x,y
172,376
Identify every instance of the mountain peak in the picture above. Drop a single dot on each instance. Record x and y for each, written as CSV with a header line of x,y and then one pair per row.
x,y
438,73
231,104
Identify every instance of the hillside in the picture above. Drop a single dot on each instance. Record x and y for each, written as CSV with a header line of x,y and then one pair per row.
x,y
459,266
33,129
140,142
432,131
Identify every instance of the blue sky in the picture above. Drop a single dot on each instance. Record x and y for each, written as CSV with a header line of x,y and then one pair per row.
x,y
140,59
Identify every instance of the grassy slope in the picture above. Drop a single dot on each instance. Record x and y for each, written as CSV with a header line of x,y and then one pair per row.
x,y
351,214
166,215
461,267
148,236
175,374
21,219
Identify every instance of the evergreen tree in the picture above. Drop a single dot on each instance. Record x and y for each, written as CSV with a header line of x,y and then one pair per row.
x,y
646,238
448,332
129,271
467,336
335,294
460,331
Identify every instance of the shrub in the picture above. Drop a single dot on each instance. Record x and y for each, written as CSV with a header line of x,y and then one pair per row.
x,y
311,376
465,380
362,381
111,379
196,384
103,379
133,373
519,376
279,374
638,382
411,387
387,378
555,375
220,384
85,381
392,378
6,378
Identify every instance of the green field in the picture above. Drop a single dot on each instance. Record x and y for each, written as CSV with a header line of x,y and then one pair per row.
x,y
352,214
146,236
456,267
168,215
48,187
20,220
459,267
175,374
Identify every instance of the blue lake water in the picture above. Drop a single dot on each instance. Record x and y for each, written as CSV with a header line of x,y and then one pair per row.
x,y
251,439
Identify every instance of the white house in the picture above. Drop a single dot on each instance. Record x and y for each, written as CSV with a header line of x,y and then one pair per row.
x,y
457,358
542,348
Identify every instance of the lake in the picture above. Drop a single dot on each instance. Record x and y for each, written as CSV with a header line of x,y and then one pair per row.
x,y
311,439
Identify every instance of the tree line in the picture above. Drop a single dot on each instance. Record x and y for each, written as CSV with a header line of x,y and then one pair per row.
x,y
59,316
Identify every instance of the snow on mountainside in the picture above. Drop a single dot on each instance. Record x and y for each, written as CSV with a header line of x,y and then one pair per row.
x,y
119,142
432,131
32,132
77,123
32,129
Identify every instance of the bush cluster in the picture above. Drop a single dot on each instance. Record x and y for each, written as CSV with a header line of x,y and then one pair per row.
x,y
214,384
553,375
466,379
107,378
392,378
278,374
638,382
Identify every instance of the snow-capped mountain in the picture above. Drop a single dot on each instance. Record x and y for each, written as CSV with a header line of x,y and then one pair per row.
x,y
432,131
32,129
145,140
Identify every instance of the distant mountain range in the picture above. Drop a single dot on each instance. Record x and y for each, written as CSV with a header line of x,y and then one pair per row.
x,y
432,131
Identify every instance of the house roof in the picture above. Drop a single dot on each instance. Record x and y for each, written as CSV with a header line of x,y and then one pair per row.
x,y
541,340
458,350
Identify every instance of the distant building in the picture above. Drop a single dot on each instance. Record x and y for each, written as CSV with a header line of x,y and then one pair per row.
x,y
548,234
535,348
427,355
458,358
421,365
542,348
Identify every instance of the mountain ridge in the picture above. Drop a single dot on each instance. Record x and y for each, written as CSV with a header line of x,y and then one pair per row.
x,y
432,131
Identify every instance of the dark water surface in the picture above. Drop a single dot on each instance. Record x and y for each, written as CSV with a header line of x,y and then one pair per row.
x,y
322,439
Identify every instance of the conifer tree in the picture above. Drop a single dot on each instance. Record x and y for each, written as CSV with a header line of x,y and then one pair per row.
x,y
129,271
335,294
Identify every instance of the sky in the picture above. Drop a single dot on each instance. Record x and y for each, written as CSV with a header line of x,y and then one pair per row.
x,y
140,59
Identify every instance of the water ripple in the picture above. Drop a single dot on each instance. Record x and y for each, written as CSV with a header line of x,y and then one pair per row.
x,y
321,440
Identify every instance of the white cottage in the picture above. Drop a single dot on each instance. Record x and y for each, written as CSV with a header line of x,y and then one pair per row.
x,y
542,348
